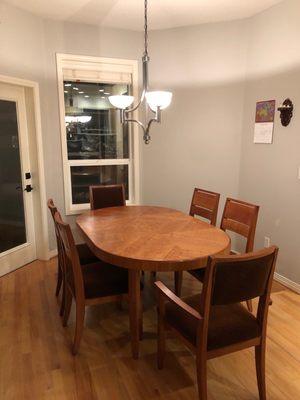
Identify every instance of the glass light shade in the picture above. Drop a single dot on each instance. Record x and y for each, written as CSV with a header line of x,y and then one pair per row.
x,y
121,101
83,119
159,99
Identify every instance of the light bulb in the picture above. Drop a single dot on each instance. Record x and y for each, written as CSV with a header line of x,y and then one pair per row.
x,y
121,101
159,99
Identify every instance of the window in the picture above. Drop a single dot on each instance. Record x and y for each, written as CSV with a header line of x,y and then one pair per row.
x,y
96,147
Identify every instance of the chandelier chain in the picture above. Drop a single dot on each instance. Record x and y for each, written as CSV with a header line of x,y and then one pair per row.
x,y
146,27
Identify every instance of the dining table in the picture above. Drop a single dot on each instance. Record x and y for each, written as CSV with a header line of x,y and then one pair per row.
x,y
149,238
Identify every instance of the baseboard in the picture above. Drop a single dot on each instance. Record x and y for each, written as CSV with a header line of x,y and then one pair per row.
x,y
295,287
52,253
287,282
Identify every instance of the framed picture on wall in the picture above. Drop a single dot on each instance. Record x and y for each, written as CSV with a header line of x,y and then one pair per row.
x,y
264,121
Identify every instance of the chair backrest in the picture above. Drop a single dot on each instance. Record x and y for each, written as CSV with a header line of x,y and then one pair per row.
x,y
102,196
237,278
73,272
53,210
51,207
240,217
205,204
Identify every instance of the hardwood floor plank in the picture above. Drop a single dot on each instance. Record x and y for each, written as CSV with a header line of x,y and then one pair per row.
x,y
36,362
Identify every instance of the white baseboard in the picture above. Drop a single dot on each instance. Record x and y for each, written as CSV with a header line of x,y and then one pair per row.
x,y
287,282
295,287
52,253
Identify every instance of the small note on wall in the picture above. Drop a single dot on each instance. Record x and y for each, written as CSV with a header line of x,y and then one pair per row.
x,y
264,121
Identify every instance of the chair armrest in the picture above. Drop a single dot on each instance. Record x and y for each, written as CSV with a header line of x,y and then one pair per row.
x,y
169,295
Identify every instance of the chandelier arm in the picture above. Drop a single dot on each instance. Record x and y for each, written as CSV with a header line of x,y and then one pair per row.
x,y
136,122
150,123
138,104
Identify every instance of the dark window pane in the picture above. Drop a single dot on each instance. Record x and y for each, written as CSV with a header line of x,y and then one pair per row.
x,y
12,218
85,176
93,127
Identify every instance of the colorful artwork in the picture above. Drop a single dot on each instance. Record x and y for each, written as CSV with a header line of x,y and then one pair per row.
x,y
265,111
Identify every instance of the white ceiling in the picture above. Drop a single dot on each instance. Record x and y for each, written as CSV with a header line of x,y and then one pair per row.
x,y
128,14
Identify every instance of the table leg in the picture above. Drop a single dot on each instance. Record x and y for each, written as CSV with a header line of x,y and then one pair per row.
x,y
134,310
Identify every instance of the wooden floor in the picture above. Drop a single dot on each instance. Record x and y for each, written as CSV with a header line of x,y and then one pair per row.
x,y
36,363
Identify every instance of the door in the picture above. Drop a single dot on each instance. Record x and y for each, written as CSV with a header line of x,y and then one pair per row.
x,y
17,239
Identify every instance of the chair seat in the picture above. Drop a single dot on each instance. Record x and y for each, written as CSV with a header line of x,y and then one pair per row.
x,y
85,254
228,324
101,280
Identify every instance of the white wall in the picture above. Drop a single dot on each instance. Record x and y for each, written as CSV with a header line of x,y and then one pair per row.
x,y
199,140
217,72
268,173
28,48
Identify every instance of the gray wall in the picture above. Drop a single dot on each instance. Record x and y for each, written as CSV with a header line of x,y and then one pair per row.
x,y
199,140
28,48
216,72
268,173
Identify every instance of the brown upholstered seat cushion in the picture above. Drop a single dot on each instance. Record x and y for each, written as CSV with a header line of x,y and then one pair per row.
x,y
101,279
227,324
85,254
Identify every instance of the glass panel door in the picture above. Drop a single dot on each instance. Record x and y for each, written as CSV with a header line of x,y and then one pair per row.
x,y
17,238
12,214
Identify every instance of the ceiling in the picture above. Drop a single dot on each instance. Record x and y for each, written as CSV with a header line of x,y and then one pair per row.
x,y
128,14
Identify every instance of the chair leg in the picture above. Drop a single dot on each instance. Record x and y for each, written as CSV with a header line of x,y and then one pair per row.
x,y
202,376
141,320
153,275
161,335
178,276
270,302
59,280
80,312
250,305
260,361
63,299
67,306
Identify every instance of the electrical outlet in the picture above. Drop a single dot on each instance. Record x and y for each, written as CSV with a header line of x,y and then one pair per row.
x,y
267,242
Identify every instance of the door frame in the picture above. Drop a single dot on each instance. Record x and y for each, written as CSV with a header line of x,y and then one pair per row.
x,y
41,219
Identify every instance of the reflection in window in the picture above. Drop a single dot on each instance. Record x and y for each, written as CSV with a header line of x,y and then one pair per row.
x,y
92,125
84,176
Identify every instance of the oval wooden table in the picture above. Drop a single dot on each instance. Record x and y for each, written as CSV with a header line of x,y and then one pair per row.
x,y
146,238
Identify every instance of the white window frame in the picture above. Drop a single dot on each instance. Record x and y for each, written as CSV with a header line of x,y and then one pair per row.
x,y
98,66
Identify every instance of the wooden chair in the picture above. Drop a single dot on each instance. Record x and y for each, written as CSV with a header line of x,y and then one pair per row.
x,y
241,218
204,204
88,284
85,255
215,323
102,196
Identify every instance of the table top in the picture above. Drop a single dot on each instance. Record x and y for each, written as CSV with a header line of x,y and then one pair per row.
x,y
151,238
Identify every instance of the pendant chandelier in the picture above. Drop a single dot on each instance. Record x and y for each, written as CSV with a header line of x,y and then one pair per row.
x,y
155,100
